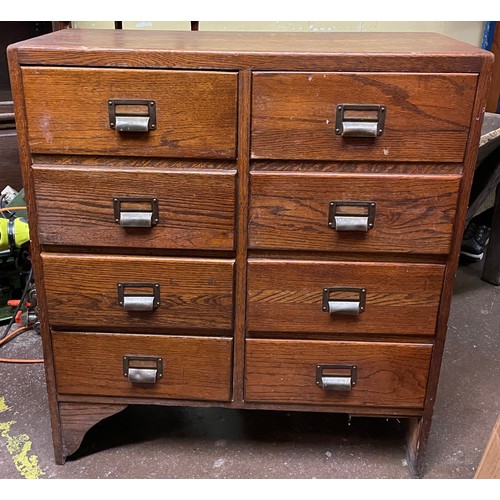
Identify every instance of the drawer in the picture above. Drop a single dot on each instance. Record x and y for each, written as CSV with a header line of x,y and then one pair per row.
x,y
426,117
311,297
376,374
156,366
84,291
352,212
68,111
113,208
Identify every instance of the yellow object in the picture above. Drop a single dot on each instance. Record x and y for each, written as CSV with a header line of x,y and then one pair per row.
x,y
19,447
13,232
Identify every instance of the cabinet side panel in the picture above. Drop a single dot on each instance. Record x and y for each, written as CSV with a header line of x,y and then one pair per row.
x,y
25,159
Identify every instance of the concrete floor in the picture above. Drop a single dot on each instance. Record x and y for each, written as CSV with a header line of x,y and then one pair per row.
x,y
163,442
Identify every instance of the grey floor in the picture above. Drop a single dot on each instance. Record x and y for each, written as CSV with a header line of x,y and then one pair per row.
x,y
163,442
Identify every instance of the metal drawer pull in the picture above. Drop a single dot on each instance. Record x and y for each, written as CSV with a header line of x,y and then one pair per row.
x,y
138,303
148,299
351,215
136,219
132,123
343,223
359,129
360,120
142,375
336,377
136,212
350,301
132,115
341,307
142,369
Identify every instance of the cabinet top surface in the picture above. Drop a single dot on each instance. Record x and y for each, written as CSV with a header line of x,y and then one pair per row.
x,y
268,42
238,49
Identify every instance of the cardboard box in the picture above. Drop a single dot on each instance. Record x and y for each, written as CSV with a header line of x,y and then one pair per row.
x,y
489,467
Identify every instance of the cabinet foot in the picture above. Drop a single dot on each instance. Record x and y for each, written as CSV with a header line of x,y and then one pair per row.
x,y
416,444
76,419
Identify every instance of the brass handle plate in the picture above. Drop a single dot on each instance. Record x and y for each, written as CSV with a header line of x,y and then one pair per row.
x,y
142,369
136,212
340,378
360,120
351,215
132,115
346,300
147,298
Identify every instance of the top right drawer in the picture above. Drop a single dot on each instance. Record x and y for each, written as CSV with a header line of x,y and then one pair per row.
x,y
362,116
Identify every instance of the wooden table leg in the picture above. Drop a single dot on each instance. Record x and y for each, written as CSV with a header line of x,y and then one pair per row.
x,y
491,269
418,429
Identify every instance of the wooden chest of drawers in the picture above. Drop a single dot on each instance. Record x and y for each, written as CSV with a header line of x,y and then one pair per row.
x,y
252,220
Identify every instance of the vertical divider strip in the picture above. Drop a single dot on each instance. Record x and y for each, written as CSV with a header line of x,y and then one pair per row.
x,y
240,287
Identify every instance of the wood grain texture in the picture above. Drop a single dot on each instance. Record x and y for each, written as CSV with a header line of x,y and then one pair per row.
x,y
134,163
194,293
413,214
388,374
427,115
342,336
195,111
247,50
75,207
196,368
78,418
358,167
361,411
287,295
417,432
349,256
240,274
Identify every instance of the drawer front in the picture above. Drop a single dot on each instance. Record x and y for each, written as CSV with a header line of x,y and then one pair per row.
x,y
146,209
83,291
156,366
68,110
385,374
352,213
426,116
290,296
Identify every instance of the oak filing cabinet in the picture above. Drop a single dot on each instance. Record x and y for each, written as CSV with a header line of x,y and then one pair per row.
x,y
247,220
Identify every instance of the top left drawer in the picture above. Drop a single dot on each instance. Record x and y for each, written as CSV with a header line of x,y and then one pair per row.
x,y
79,111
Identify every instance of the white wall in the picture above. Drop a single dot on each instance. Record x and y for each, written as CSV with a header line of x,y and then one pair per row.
x,y
467,31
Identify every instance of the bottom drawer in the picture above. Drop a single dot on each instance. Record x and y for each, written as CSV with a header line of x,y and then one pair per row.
x,y
155,366
377,374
